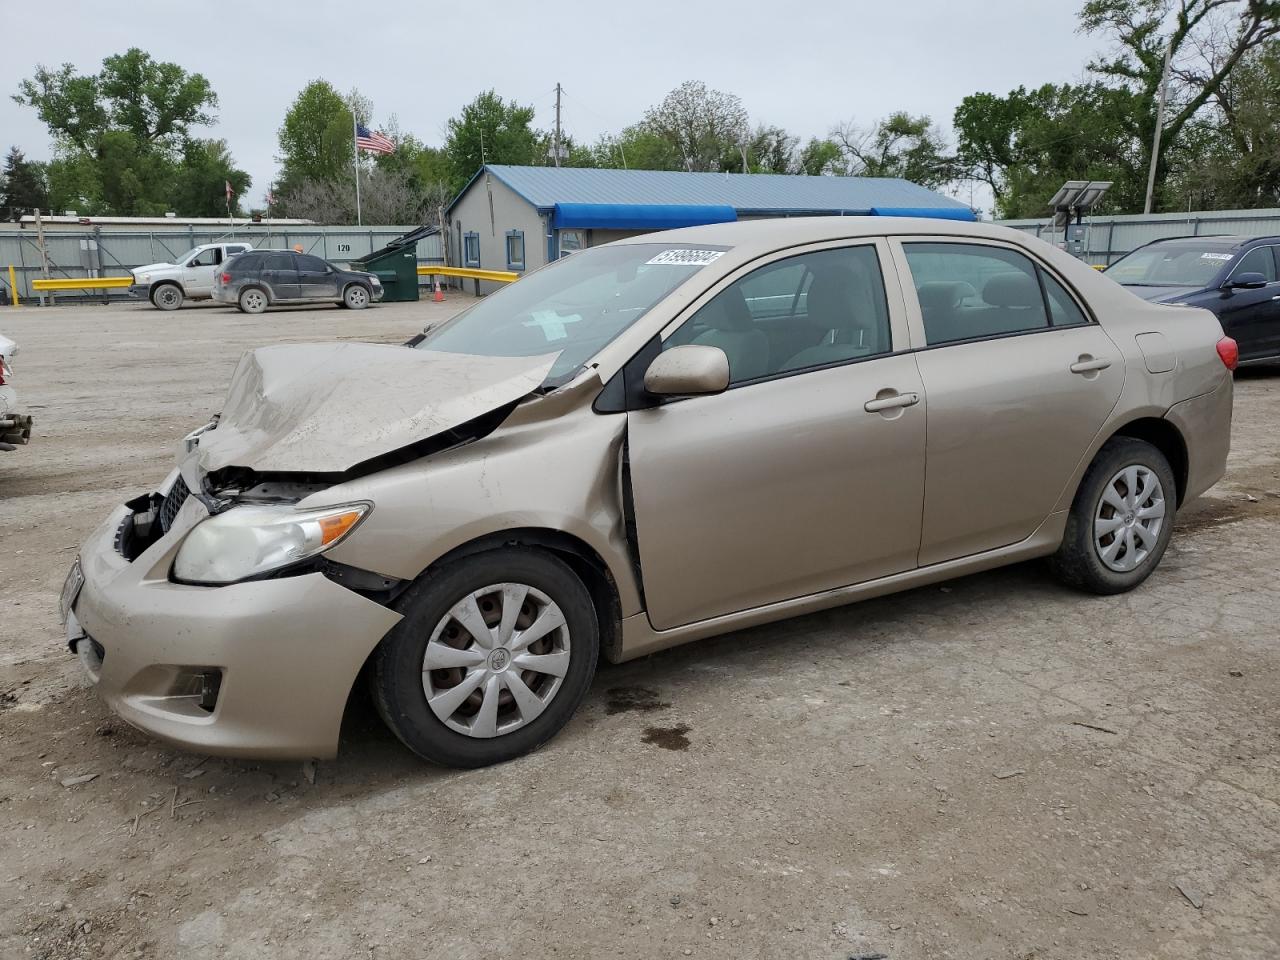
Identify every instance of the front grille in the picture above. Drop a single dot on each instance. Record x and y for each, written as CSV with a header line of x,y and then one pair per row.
x,y
173,502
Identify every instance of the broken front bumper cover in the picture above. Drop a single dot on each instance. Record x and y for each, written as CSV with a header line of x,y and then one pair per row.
x,y
256,669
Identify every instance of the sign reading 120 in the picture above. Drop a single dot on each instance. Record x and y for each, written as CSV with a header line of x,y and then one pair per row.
x,y
344,248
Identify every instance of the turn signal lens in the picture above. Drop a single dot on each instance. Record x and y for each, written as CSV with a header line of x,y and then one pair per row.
x,y
1229,352
226,278
334,528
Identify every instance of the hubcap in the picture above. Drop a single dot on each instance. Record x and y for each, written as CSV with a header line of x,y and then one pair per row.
x,y
496,660
356,297
1130,515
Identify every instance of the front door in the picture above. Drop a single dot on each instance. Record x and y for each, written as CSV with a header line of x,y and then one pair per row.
x,y
316,279
807,473
198,272
1252,317
1019,382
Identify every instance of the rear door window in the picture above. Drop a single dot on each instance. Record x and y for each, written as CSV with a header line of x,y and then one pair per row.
x,y
972,291
311,264
279,261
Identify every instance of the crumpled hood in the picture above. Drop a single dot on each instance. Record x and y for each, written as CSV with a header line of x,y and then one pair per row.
x,y
325,407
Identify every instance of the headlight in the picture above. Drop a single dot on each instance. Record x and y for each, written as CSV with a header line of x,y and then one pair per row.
x,y
247,541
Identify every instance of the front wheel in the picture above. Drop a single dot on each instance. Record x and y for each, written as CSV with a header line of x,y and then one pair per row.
x,y
1121,520
493,656
167,296
253,300
355,297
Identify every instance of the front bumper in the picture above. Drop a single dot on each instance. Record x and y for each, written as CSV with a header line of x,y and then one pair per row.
x,y
140,291
286,651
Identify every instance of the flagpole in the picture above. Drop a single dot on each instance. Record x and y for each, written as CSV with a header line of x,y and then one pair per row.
x,y
355,159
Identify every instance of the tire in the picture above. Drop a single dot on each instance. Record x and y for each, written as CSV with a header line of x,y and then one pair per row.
x,y
355,297
167,296
462,735
1097,561
253,300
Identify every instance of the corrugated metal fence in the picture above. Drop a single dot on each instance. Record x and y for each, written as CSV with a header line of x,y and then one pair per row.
x,y
1109,238
109,252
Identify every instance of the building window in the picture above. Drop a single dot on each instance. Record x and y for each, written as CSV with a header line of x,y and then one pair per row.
x,y
471,250
570,240
515,249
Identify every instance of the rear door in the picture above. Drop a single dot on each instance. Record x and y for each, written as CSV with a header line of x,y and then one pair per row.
x,y
198,272
1019,381
807,473
280,275
1252,317
316,279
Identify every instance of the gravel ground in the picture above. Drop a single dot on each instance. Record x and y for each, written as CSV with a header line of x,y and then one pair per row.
x,y
994,768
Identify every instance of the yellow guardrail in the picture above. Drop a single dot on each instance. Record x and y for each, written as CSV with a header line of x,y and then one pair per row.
x,y
81,283
469,273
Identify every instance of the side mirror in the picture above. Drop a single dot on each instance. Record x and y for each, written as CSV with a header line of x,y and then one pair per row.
x,y
1246,281
688,370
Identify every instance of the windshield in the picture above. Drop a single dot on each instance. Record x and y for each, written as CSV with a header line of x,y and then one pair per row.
x,y
1170,265
576,305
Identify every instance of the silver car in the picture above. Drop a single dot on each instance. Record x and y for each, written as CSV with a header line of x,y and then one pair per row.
x,y
658,440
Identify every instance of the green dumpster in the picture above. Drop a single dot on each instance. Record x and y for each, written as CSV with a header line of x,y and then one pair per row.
x,y
396,265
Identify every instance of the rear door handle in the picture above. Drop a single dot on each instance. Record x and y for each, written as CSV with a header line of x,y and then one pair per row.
x,y
889,403
1088,366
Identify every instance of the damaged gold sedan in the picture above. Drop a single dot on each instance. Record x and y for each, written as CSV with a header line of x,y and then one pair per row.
x,y
646,443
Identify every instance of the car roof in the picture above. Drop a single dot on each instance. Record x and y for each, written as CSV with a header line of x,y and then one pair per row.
x,y
1225,241
777,233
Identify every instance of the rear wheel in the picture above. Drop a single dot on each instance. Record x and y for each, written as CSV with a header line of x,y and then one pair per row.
x,y
355,297
1121,520
493,656
253,300
167,296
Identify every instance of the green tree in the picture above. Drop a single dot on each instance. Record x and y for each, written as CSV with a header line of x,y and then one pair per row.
x,y
820,158
124,135
911,148
206,169
1235,157
1027,144
22,186
316,138
490,130
1206,40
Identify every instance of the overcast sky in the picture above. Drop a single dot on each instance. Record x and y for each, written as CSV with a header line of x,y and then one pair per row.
x,y
804,66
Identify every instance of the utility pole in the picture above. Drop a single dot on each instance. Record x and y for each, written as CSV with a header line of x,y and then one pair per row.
x,y
1155,141
555,143
44,253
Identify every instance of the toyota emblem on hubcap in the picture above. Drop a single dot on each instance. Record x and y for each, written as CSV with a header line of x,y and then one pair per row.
x,y
499,660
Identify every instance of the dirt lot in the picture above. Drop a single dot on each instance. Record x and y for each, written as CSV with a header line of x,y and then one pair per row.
x,y
993,768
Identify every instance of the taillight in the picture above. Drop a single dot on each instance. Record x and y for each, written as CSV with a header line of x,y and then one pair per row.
x,y
1229,352
5,372
226,278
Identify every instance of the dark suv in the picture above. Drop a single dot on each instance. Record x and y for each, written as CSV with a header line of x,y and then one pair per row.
x,y
262,278
1236,278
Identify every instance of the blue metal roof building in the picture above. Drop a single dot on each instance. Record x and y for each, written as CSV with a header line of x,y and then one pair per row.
x,y
516,218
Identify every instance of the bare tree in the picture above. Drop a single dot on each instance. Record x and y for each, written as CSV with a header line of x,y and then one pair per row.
x,y
386,197
911,148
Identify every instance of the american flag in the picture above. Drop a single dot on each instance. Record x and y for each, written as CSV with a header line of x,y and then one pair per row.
x,y
373,141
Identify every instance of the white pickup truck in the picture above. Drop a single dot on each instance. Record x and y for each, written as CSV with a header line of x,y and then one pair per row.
x,y
190,277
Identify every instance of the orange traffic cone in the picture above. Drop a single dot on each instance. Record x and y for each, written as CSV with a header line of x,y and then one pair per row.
x,y
439,294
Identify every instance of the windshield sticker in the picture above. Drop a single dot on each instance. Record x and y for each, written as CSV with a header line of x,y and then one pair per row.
x,y
552,324
1215,256
687,258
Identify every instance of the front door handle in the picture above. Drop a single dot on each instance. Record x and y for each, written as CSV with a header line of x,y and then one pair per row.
x,y
889,403
1084,365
